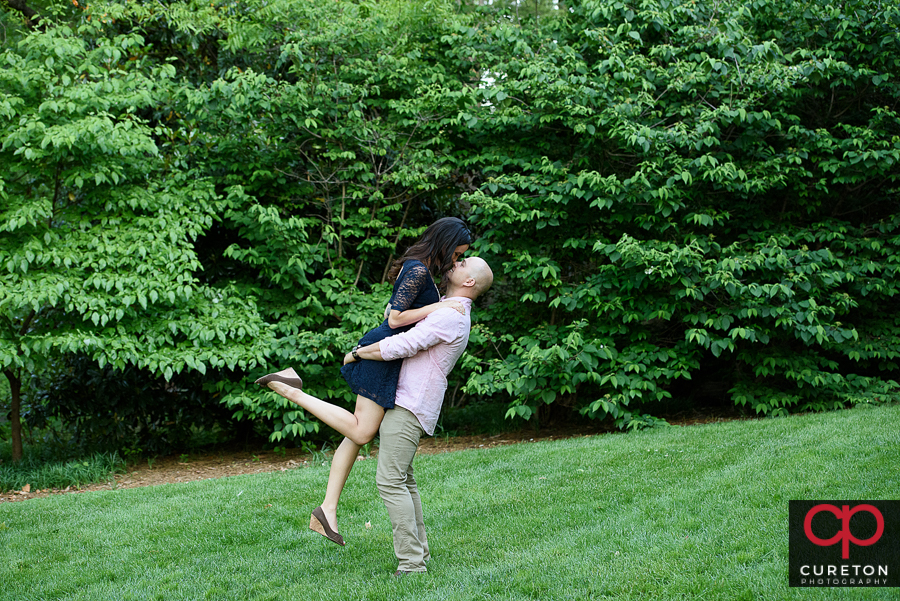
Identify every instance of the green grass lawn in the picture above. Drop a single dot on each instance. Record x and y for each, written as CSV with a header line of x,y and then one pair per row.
x,y
678,513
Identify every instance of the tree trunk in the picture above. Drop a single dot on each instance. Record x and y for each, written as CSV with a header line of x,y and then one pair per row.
x,y
15,388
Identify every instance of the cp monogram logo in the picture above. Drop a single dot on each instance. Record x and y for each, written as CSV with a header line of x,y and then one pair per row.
x,y
844,514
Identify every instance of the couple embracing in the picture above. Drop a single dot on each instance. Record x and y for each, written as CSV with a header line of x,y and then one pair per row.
x,y
399,374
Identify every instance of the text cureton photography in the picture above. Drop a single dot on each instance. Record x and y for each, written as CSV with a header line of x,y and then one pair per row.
x,y
844,543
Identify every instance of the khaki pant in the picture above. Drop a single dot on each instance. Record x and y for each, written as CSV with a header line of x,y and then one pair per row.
x,y
399,439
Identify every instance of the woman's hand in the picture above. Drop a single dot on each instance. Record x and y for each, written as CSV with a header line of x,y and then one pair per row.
x,y
399,319
452,304
348,358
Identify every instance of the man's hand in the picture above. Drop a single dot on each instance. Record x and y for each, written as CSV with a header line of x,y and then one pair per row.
x,y
348,358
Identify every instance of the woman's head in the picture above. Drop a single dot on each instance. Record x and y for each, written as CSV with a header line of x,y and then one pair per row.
x,y
439,247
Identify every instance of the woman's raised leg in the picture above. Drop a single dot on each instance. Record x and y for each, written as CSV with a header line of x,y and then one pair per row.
x,y
359,426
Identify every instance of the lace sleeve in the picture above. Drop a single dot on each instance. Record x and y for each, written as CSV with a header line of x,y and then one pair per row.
x,y
410,284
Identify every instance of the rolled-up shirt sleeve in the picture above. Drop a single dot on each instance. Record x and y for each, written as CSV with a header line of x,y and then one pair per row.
x,y
440,326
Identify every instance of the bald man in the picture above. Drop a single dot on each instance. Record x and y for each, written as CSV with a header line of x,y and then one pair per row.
x,y
430,350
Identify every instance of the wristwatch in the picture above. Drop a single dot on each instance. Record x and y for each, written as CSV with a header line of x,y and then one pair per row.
x,y
354,353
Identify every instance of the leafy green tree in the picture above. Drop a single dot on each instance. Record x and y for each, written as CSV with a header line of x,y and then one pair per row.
x,y
306,134
328,152
97,254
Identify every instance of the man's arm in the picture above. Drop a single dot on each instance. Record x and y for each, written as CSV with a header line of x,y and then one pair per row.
x,y
371,352
440,326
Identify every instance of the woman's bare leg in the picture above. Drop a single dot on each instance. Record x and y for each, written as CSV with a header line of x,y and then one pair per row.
x,y
359,428
341,464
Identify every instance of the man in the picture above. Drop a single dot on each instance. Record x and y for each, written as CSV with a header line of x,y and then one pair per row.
x,y
430,350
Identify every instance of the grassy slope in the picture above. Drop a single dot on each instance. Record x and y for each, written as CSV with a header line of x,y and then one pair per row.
x,y
681,513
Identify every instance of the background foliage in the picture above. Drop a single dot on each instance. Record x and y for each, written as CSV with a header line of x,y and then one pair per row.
x,y
681,200
691,195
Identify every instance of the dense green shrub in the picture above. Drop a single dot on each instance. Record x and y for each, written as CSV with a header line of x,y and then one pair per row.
x,y
684,190
110,410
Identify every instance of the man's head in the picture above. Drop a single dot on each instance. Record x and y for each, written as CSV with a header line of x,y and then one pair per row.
x,y
470,277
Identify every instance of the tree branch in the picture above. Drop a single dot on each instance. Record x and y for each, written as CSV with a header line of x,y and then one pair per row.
x,y
31,16
26,323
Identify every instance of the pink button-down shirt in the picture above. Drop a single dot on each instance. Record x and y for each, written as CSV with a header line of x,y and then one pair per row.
x,y
430,350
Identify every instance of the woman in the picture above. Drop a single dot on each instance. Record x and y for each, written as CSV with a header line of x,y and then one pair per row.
x,y
375,382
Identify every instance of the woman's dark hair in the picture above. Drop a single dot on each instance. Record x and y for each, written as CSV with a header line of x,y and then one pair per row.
x,y
435,247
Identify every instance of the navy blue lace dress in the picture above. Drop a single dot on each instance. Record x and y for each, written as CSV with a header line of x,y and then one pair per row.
x,y
377,380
